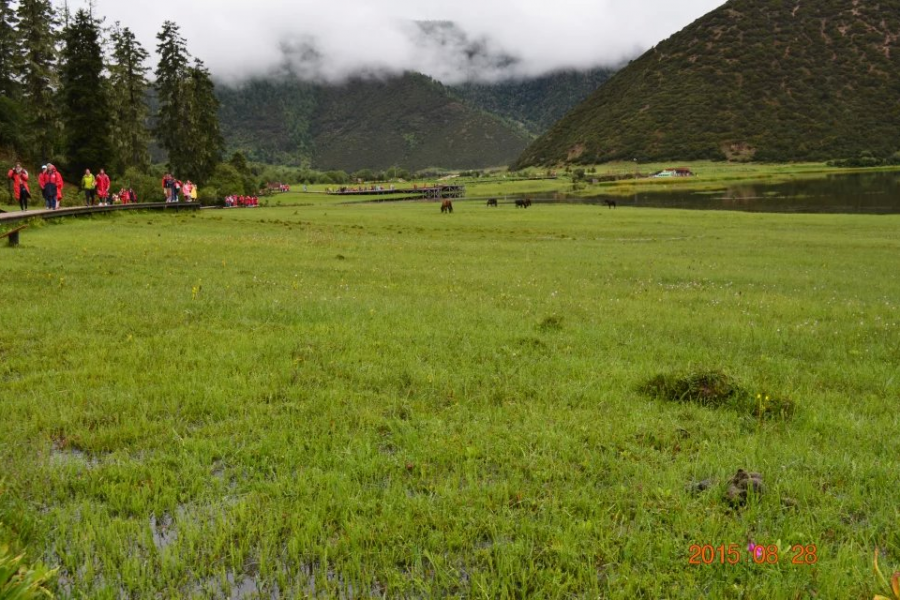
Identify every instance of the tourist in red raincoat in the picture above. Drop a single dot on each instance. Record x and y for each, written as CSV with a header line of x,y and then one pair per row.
x,y
103,185
21,192
52,187
168,186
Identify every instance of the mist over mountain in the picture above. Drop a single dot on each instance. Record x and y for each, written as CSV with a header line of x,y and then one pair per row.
x,y
443,51
379,119
342,39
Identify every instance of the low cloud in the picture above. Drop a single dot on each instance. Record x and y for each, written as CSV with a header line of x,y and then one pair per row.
x,y
451,41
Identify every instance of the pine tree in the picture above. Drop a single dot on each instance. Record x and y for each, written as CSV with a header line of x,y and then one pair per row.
x,y
128,114
85,107
37,31
204,142
173,121
11,125
9,50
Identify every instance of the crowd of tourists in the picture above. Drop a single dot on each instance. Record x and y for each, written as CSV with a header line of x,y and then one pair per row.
x,y
241,201
97,188
361,188
49,181
125,196
175,190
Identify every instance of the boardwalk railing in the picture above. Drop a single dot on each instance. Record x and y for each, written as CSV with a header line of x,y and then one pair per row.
x,y
440,191
74,211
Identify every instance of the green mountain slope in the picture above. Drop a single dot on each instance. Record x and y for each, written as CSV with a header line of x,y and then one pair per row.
x,y
411,121
778,80
535,104
269,122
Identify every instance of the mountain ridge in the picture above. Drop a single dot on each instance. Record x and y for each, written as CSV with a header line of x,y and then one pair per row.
x,y
364,123
410,120
775,81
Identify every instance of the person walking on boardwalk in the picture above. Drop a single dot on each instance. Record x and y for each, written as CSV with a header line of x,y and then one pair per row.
x,y
42,183
18,178
89,185
53,187
168,185
103,185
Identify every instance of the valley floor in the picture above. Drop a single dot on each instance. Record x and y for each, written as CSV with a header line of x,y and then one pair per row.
x,y
379,400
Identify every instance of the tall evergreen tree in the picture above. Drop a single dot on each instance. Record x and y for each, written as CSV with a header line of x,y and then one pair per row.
x,y
11,126
85,105
9,50
128,114
37,31
173,120
205,143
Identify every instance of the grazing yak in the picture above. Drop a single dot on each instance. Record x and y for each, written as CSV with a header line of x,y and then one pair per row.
x,y
492,202
520,203
447,207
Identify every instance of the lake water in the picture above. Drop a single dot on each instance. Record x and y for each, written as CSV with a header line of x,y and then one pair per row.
x,y
868,193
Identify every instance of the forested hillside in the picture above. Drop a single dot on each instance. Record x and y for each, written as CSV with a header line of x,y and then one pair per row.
x,y
75,94
769,81
270,122
535,104
412,121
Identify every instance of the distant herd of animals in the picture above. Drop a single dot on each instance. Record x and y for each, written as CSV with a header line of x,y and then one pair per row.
x,y
447,205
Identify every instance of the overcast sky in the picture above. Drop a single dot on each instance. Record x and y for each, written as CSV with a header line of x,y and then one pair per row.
x,y
332,39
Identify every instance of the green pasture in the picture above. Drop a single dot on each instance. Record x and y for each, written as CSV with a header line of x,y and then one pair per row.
x,y
377,400
506,185
709,176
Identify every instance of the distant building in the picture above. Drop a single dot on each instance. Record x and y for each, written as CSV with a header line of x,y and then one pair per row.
x,y
679,172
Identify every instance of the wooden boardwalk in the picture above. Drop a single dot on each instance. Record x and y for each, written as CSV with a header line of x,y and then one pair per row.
x,y
75,211
440,191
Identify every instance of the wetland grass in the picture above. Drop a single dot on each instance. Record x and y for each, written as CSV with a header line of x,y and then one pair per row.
x,y
373,400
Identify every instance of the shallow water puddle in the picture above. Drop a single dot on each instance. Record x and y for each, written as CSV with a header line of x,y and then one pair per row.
x,y
163,530
64,456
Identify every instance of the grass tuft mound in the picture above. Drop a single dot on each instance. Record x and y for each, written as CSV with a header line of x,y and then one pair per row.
x,y
707,388
551,323
717,389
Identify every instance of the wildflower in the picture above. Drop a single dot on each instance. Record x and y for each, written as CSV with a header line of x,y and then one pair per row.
x,y
756,549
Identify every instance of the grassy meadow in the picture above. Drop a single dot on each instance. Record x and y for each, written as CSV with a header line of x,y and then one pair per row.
x,y
377,400
507,186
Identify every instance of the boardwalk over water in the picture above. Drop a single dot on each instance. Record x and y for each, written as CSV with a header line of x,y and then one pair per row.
x,y
75,211
439,191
